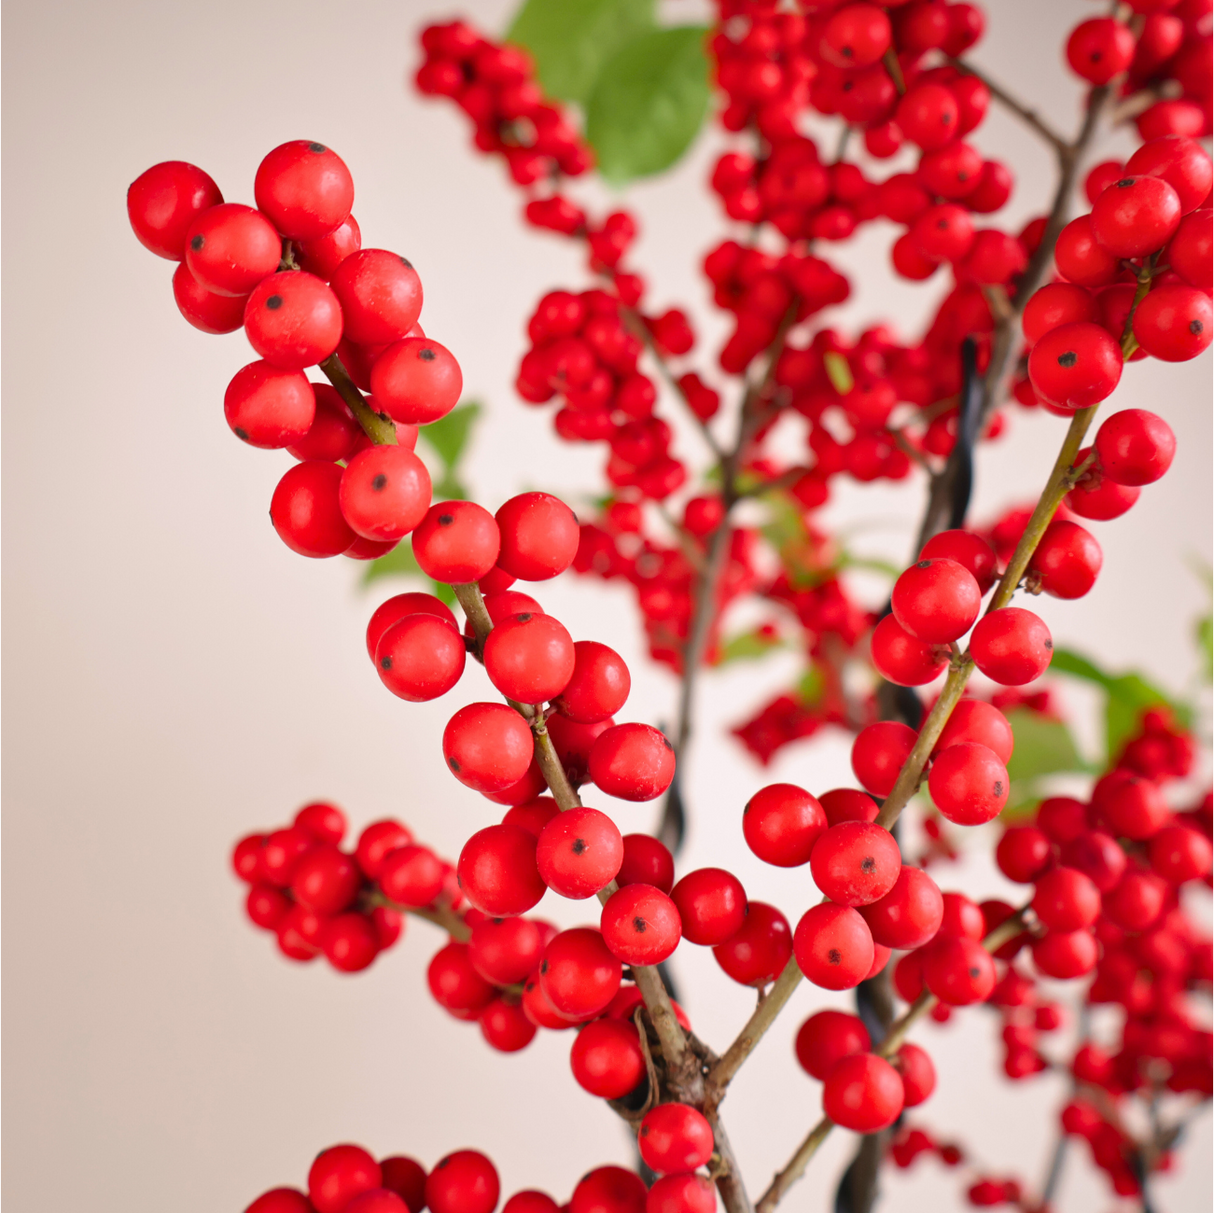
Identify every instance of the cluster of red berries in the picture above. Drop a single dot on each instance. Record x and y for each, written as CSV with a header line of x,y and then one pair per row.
x,y
910,1144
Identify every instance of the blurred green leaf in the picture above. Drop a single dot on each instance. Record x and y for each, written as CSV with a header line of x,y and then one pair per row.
x,y
1043,747
1205,642
570,40
650,100
448,436
400,562
838,371
748,645
811,687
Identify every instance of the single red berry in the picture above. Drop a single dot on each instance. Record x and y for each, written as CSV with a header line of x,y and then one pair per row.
x,y
968,783
855,35
646,861
505,950
943,233
377,1200
1189,254
503,605
917,1072
397,608
505,1026
269,408
498,871
640,925
338,1175
833,946
530,1201
455,984
529,657
540,536
598,686
281,1200
959,971
407,1178
416,380
267,906
1066,955
1183,163
632,761
976,720
293,320
579,852
951,171
1023,853
781,824
1179,853
1097,855
847,804
488,746
962,918
1081,259
463,1182
863,1093
855,863
878,753
711,904
412,876
1099,49
1066,561
1066,900
1136,901
334,433
675,1137
299,934
903,659
456,542
970,551
281,851
306,512
1175,322
374,843
609,1190
304,188
246,857
325,880
928,115
533,815
606,1058
1129,805
350,943
205,310
163,202
1134,447
909,915
827,1037
323,255
1061,818
1056,304
1136,216
683,1193
578,973
1011,646
756,953
380,295
1097,496
230,248
385,492
1075,365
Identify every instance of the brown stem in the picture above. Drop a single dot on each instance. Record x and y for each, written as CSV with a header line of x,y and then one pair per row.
x,y
1022,111
376,426
441,915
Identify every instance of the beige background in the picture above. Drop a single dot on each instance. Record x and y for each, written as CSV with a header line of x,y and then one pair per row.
x,y
176,677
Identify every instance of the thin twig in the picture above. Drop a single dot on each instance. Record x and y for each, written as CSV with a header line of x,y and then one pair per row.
x,y
1022,111
378,427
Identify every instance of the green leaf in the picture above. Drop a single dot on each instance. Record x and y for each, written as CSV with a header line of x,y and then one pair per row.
x,y
748,645
400,562
570,40
811,687
649,102
448,436
838,371
1043,747
1065,661
1205,642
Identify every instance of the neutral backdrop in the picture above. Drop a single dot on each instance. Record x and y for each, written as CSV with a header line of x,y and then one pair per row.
x,y
175,677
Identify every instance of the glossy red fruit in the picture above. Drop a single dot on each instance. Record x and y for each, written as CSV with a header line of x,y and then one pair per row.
x,y
350,942
970,551
962,918
505,1026
917,1072
306,513
756,953
323,255
380,294
338,1175
1067,560
498,871
377,1200
374,843
1098,497
292,320
711,904
781,824
909,915
826,1037
505,950
325,880
1011,646
646,861
1066,900
1189,254
1175,322
863,1093
1136,216
928,115
1080,259
951,171
855,35
968,783
412,876
407,1178
281,1200
1134,447
1099,49
267,407
533,815
455,984
606,1058
598,686
1179,853
398,607
1136,901
579,852
1183,163
1097,855
833,946
416,380
855,863
847,804
163,202
1075,365
488,746
456,542
903,659
1056,304
578,973
640,925
878,753
609,1190
463,1182
632,761
529,657
943,233
334,434
304,188
1066,955
1023,853
540,536
675,1137
267,906
976,720
385,492
682,1193
959,971
230,248
1061,818
206,311
1129,806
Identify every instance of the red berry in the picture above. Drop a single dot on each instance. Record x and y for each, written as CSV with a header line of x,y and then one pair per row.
x,y
968,783
1097,855
416,380
456,542
1183,163
397,608
863,1093
936,600
975,720
598,687
374,843
901,658
711,904
529,657
339,1174
505,1026
1136,901
281,1200
640,925
304,188
827,1037
847,804
951,171
606,1058
1061,818
350,943
306,513
540,536
833,946
756,953
1174,323
334,434
855,35
686,1193
505,951
609,1190
380,295
579,852
246,857
266,906
323,255
1179,853
1066,561
1075,365
299,933
407,1178
855,863
1130,806
1011,646
1066,900
578,973
412,876
163,202
1134,447
959,971
909,915
1136,216
1023,853
488,746
325,880
632,761
1096,496
1189,254
293,320
230,248
205,310
455,985
1066,955
385,492
961,918
781,824
917,1072
269,408
943,233
878,753
928,115
498,871
1054,305
1100,177
646,861
463,1182
970,551
1080,259
1099,49
675,1137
